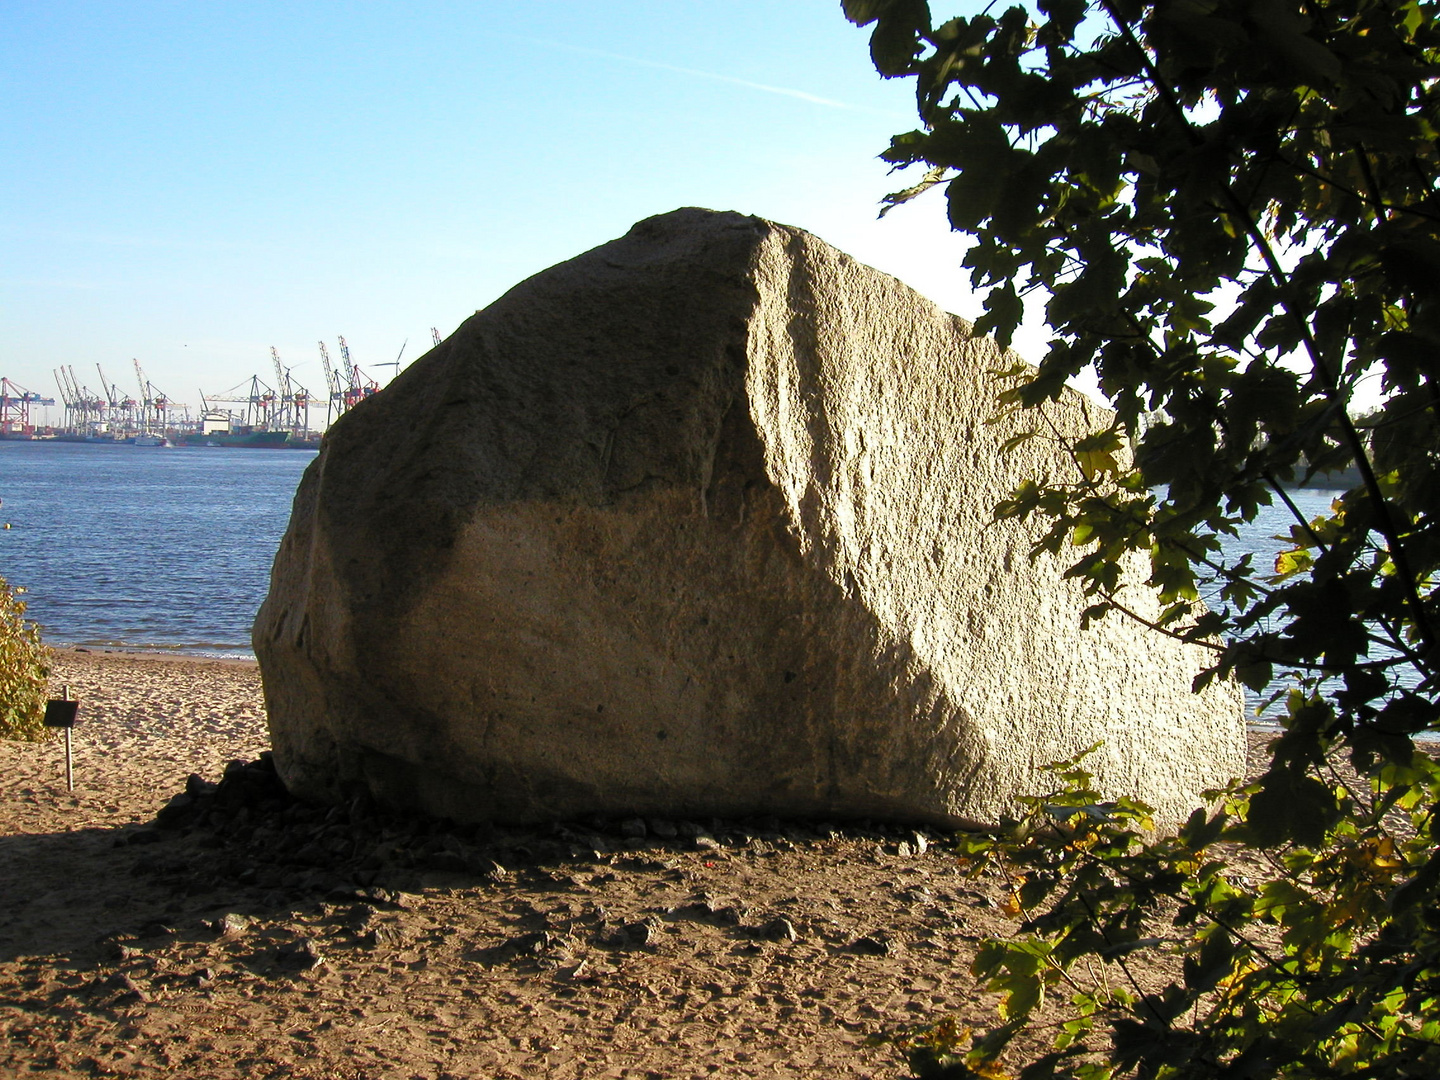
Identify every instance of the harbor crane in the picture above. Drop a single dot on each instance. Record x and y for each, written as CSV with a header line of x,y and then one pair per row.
x,y
282,384
85,411
65,395
121,409
334,389
112,414
294,404
76,409
359,387
153,404
15,402
94,401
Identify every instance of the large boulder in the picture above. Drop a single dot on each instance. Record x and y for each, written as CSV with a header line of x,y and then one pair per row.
x,y
699,523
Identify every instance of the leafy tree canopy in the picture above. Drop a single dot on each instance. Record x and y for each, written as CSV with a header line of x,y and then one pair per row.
x,y
1229,209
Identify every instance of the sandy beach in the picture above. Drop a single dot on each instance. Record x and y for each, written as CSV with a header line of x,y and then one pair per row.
x,y
251,936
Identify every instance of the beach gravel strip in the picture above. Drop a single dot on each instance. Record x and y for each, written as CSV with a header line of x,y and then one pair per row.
x,y
180,911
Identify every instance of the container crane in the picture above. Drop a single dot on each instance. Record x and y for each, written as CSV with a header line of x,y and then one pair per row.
x,y
15,402
352,373
334,390
282,416
264,404
151,401
359,387
294,408
69,393
89,413
121,408
77,408
65,394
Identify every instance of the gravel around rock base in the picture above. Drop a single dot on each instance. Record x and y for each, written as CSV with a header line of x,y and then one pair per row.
x,y
180,912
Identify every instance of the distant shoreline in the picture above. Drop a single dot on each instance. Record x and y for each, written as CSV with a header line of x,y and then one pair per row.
x,y
1343,480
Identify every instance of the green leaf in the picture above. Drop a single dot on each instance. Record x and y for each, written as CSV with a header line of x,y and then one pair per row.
x,y
1290,807
895,41
1023,994
1096,463
1289,563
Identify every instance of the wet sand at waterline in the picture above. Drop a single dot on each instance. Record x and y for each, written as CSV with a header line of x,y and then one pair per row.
x,y
258,937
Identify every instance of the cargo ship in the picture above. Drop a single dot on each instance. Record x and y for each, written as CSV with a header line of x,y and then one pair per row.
x,y
256,439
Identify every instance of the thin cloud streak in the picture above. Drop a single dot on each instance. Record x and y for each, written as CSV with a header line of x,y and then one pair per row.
x,y
783,91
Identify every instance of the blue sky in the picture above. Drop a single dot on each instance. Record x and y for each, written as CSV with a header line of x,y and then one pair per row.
x,y
191,183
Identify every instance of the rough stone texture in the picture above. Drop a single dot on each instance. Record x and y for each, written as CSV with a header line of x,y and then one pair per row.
x,y
698,523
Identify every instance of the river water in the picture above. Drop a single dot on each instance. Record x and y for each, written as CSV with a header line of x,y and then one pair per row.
x,y
169,548
151,548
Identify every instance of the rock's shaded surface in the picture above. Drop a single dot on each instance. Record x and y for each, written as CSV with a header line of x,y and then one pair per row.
x,y
699,523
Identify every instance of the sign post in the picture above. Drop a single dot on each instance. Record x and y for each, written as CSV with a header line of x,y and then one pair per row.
x,y
61,714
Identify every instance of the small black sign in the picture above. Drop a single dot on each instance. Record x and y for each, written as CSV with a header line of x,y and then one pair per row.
x,y
61,713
